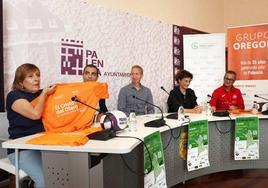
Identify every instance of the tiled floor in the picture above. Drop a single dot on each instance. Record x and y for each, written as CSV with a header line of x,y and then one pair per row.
x,y
230,179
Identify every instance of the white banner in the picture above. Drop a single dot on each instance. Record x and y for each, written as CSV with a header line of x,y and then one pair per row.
x,y
204,57
61,37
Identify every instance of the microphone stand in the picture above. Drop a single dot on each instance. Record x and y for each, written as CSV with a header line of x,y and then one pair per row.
x,y
260,97
165,90
173,115
224,113
265,112
103,135
154,123
75,99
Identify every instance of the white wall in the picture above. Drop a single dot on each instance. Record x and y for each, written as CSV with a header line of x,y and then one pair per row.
x,y
212,16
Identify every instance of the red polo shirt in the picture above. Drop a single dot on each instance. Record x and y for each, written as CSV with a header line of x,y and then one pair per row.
x,y
223,99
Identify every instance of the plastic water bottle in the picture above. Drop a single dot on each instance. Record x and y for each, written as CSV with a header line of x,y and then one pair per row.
x,y
255,108
181,115
132,122
208,110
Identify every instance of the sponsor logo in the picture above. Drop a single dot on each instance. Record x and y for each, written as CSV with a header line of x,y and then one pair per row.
x,y
196,45
74,58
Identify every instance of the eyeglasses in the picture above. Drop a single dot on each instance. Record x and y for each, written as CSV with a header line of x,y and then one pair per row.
x,y
229,79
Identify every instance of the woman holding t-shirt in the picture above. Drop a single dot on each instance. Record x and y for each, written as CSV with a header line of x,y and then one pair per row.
x,y
25,119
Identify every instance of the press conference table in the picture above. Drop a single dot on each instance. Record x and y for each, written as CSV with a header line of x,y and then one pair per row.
x,y
67,166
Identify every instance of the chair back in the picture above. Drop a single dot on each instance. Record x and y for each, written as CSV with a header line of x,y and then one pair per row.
x,y
5,164
4,124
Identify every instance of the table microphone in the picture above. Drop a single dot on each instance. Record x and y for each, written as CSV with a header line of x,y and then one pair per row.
x,y
104,134
75,99
154,123
261,97
224,113
208,95
222,101
165,90
173,115
264,106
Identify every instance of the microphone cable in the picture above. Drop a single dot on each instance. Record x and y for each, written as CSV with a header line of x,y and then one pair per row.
x,y
172,134
223,132
170,137
230,117
126,164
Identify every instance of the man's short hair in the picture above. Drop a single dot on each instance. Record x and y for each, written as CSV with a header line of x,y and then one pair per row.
x,y
92,66
137,67
231,72
183,74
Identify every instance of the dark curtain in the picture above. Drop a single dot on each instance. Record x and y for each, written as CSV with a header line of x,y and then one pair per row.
x,y
2,106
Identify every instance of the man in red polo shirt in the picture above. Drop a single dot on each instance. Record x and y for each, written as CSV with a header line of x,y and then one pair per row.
x,y
227,97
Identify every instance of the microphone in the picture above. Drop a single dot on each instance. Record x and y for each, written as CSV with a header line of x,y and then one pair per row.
x,y
165,90
263,106
155,123
208,95
75,99
224,113
261,97
222,101
110,122
173,115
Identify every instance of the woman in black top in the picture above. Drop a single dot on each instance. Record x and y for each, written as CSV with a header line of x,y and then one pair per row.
x,y
181,95
25,118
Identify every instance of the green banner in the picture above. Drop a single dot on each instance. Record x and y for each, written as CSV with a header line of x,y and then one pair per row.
x,y
157,177
197,155
246,138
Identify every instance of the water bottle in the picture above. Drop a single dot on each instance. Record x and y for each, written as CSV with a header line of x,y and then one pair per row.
x,y
208,110
204,108
255,108
132,122
181,115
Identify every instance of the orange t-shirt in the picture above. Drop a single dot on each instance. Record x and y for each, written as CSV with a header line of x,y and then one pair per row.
x,y
68,118
64,139
61,114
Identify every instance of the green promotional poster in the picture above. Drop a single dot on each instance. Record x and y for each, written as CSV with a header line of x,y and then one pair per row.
x,y
157,177
246,138
197,155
